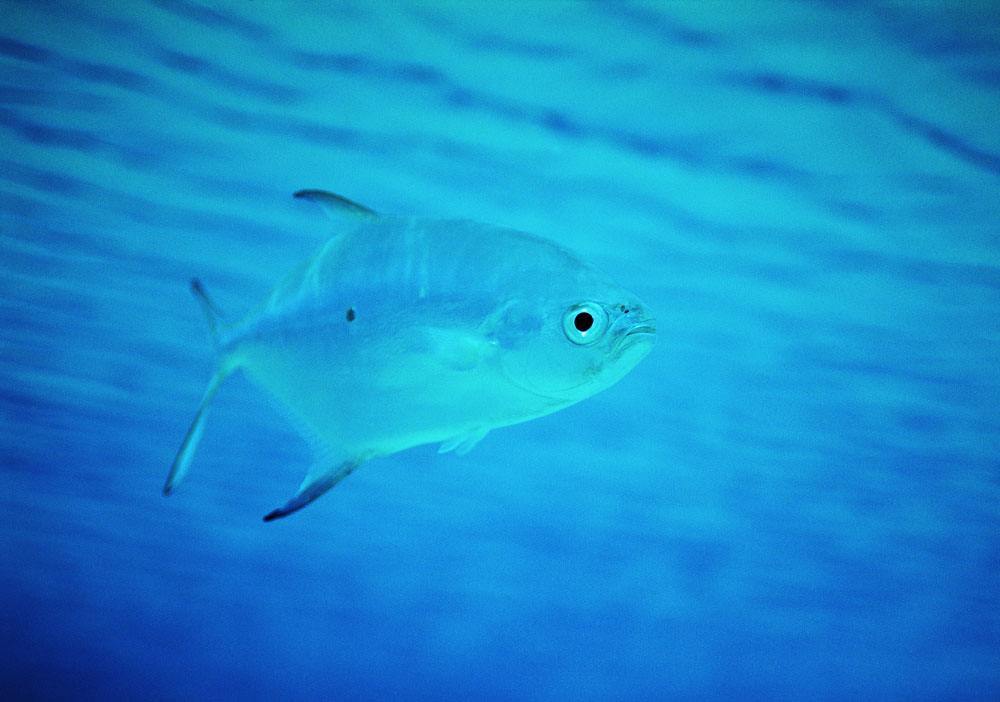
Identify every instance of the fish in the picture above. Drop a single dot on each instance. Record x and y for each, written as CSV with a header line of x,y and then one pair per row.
x,y
404,331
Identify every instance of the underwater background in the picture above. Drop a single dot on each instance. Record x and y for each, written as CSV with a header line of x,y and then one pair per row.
x,y
795,496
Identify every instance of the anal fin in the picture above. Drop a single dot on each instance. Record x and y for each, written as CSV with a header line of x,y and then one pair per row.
x,y
319,480
463,443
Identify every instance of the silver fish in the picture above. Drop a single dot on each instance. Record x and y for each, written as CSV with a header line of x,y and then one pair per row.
x,y
405,331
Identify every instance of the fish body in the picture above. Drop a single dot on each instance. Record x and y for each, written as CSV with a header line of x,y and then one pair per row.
x,y
405,331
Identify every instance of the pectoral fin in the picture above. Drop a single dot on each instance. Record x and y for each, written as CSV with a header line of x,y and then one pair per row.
x,y
320,479
454,349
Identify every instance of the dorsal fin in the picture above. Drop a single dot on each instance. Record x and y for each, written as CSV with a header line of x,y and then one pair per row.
x,y
336,206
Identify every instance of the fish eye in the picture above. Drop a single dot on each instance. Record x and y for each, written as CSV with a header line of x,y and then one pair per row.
x,y
584,324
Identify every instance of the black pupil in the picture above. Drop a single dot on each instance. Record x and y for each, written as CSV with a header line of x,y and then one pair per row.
x,y
583,321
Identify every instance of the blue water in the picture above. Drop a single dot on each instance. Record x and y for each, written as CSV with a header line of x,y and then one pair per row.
x,y
795,496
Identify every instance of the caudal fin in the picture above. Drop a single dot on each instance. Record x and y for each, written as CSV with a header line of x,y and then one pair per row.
x,y
182,462
213,315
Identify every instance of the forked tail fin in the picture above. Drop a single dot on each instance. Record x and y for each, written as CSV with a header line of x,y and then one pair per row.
x,y
182,462
212,313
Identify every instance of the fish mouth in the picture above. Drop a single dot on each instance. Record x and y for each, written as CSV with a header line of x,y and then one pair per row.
x,y
638,333
648,328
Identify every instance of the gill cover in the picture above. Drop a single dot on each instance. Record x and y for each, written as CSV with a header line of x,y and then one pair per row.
x,y
543,349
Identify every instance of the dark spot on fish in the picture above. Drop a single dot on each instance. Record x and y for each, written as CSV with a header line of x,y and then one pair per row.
x,y
350,314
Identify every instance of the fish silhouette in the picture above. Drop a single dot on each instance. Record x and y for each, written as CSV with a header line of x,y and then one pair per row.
x,y
403,331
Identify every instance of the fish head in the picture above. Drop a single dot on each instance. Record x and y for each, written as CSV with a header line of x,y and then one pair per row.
x,y
573,344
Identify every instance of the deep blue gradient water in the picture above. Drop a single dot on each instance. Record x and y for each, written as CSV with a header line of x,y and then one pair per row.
x,y
796,496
